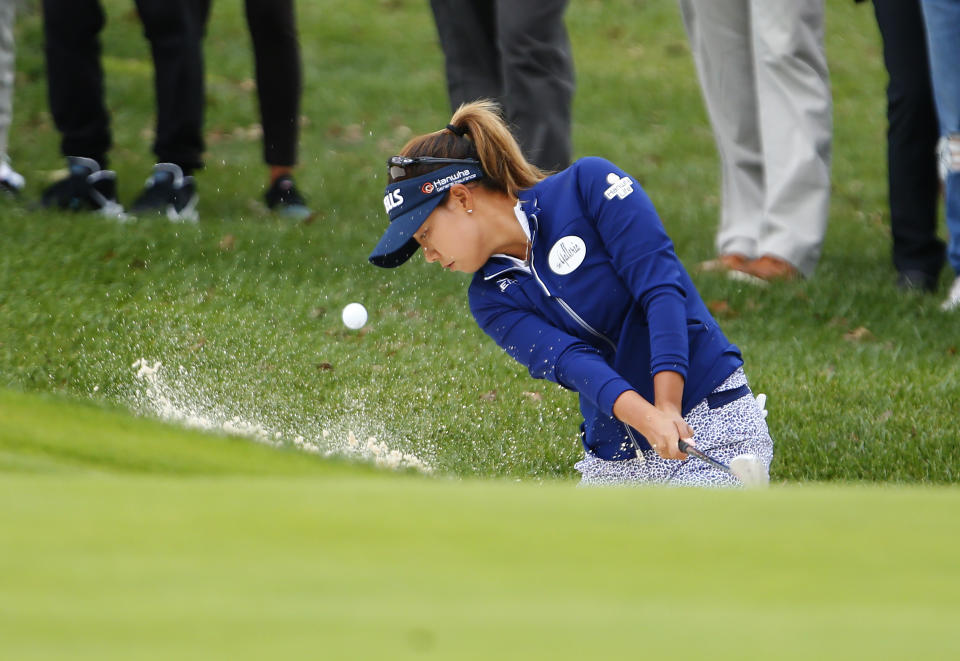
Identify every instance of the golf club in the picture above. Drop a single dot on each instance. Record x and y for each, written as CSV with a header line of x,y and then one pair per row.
x,y
745,467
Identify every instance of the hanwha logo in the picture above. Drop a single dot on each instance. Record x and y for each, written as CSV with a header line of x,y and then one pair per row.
x,y
427,187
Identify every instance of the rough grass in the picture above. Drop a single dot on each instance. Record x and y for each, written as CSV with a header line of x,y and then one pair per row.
x,y
243,310
122,537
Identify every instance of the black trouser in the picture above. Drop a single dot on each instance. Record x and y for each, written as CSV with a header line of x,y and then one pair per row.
x,y
276,52
75,77
914,186
518,53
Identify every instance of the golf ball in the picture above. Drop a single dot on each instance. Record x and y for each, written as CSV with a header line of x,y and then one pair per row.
x,y
354,316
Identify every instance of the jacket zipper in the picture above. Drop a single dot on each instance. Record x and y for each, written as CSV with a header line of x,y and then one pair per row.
x,y
569,310
587,327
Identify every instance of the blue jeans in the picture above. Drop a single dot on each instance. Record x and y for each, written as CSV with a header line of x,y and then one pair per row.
x,y
942,18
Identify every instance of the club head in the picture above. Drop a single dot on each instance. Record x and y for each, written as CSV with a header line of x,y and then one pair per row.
x,y
750,471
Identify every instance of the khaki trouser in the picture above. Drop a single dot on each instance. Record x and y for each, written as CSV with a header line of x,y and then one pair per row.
x,y
763,71
6,71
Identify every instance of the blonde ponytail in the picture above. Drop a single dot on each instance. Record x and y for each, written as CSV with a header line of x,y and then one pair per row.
x,y
477,130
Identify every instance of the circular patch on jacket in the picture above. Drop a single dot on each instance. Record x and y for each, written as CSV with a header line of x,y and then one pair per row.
x,y
567,255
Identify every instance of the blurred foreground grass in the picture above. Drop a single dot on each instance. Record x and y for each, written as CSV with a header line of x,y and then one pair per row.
x,y
124,538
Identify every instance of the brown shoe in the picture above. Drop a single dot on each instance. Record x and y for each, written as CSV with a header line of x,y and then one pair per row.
x,y
733,261
770,268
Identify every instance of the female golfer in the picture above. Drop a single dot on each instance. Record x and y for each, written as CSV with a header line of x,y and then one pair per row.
x,y
575,277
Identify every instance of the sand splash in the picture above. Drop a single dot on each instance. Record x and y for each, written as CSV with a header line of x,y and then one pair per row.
x,y
175,401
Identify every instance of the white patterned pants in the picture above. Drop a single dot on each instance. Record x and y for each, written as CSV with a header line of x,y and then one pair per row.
x,y
725,432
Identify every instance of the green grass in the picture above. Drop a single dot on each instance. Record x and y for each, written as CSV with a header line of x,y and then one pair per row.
x,y
47,434
243,310
232,568
125,538
122,536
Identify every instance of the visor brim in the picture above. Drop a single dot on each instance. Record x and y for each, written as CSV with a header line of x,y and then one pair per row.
x,y
397,244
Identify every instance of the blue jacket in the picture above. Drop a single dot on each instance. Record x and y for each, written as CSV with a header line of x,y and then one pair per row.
x,y
605,305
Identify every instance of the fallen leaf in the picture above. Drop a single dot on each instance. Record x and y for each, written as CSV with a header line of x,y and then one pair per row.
x,y
489,396
859,334
718,308
352,133
313,217
228,242
250,133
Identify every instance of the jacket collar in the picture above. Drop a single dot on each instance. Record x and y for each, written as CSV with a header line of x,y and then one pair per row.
x,y
528,202
497,265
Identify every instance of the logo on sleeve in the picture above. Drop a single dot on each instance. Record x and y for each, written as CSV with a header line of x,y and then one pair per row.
x,y
619,186
567,255
504,283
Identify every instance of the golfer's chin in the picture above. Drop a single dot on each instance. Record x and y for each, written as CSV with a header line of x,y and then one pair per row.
x,y
462,267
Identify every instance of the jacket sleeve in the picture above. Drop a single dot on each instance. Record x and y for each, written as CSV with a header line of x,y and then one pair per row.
x,y
546,351
642,255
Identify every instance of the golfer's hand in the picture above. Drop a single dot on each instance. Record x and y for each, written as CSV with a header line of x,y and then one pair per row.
x,y
666,428
662,426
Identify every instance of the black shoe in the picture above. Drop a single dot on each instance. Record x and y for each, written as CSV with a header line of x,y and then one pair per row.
x,y
170,193
86,188
919,281
284,198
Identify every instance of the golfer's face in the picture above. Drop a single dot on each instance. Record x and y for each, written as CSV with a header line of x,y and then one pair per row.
x,y
451,237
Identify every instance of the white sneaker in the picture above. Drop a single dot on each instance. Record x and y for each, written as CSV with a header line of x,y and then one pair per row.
x,y
953,298
11,181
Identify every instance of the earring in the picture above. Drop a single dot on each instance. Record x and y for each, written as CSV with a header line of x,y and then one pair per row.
x,y
469,210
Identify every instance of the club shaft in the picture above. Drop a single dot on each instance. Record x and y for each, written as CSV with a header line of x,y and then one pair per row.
x,y
702,456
